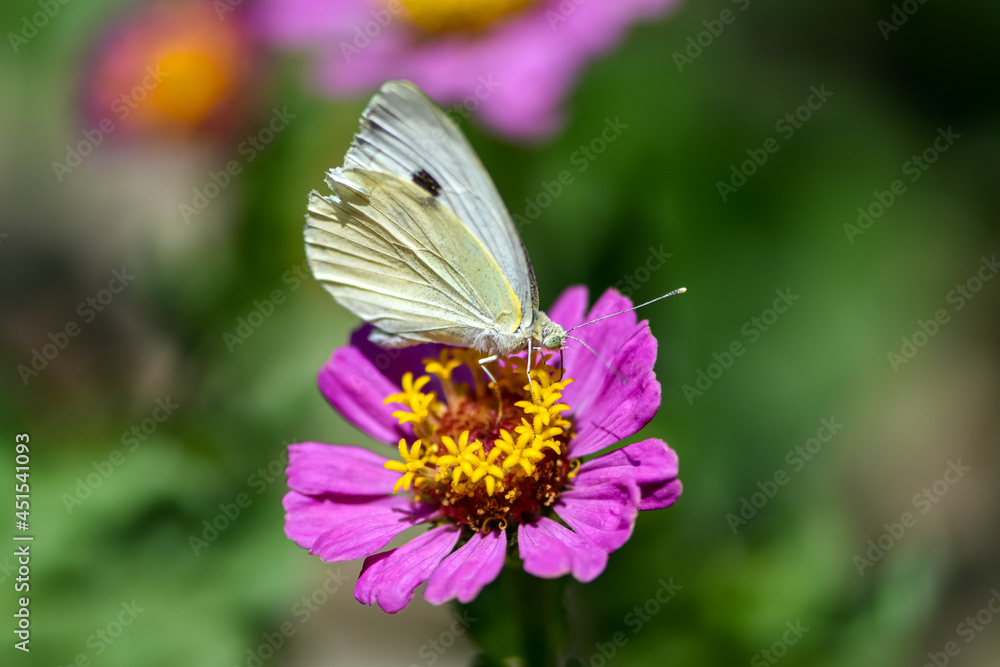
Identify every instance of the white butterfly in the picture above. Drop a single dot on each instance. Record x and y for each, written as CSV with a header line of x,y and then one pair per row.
x,y
416,240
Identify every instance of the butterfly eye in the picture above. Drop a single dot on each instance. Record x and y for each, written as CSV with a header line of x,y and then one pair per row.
x,y
553,342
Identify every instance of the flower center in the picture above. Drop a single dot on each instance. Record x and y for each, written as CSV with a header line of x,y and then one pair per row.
x,y
198,83
458,15
483,466
175,67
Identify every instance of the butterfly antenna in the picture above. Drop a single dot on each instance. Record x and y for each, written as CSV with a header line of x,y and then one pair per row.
x,y
679,290
604,361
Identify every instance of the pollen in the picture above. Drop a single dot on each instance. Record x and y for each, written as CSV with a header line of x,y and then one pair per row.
x,y
459,15
482,462
414,460
416,401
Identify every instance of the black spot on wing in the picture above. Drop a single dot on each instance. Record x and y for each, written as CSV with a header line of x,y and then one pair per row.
x,y
427,182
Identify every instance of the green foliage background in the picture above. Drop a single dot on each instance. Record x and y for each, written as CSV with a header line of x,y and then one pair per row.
x,y
655,186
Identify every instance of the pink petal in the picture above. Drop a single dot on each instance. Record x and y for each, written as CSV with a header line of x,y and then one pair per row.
x,y
297,21
389,578
651,464
362,534
550,550
618,406
531,59
316,469
658,496
306,517
569,308
647,461
606,337
604,513
356,389
394,363
468,569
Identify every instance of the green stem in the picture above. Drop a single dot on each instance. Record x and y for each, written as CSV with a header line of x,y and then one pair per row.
x,y
519,617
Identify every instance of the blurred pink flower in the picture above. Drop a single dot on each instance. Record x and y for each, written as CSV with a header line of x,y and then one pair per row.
x,y
171,68
510,61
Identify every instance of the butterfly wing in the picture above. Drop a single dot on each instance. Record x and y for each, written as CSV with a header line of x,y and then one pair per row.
x,y
403,133
390,252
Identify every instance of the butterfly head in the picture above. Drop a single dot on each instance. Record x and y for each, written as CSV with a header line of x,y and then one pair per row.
x,y
554,339
550,335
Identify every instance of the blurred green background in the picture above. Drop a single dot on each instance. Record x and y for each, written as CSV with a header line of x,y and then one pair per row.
x,y
124,538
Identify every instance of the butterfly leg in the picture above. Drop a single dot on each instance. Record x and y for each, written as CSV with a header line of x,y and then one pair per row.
x,y
496,385
531,357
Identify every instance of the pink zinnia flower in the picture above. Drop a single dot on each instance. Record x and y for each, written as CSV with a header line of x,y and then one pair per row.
x,y
486,483
512,61
170,69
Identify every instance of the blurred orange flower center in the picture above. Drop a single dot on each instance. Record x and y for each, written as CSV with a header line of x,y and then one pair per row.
x,y
458,15
194,83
